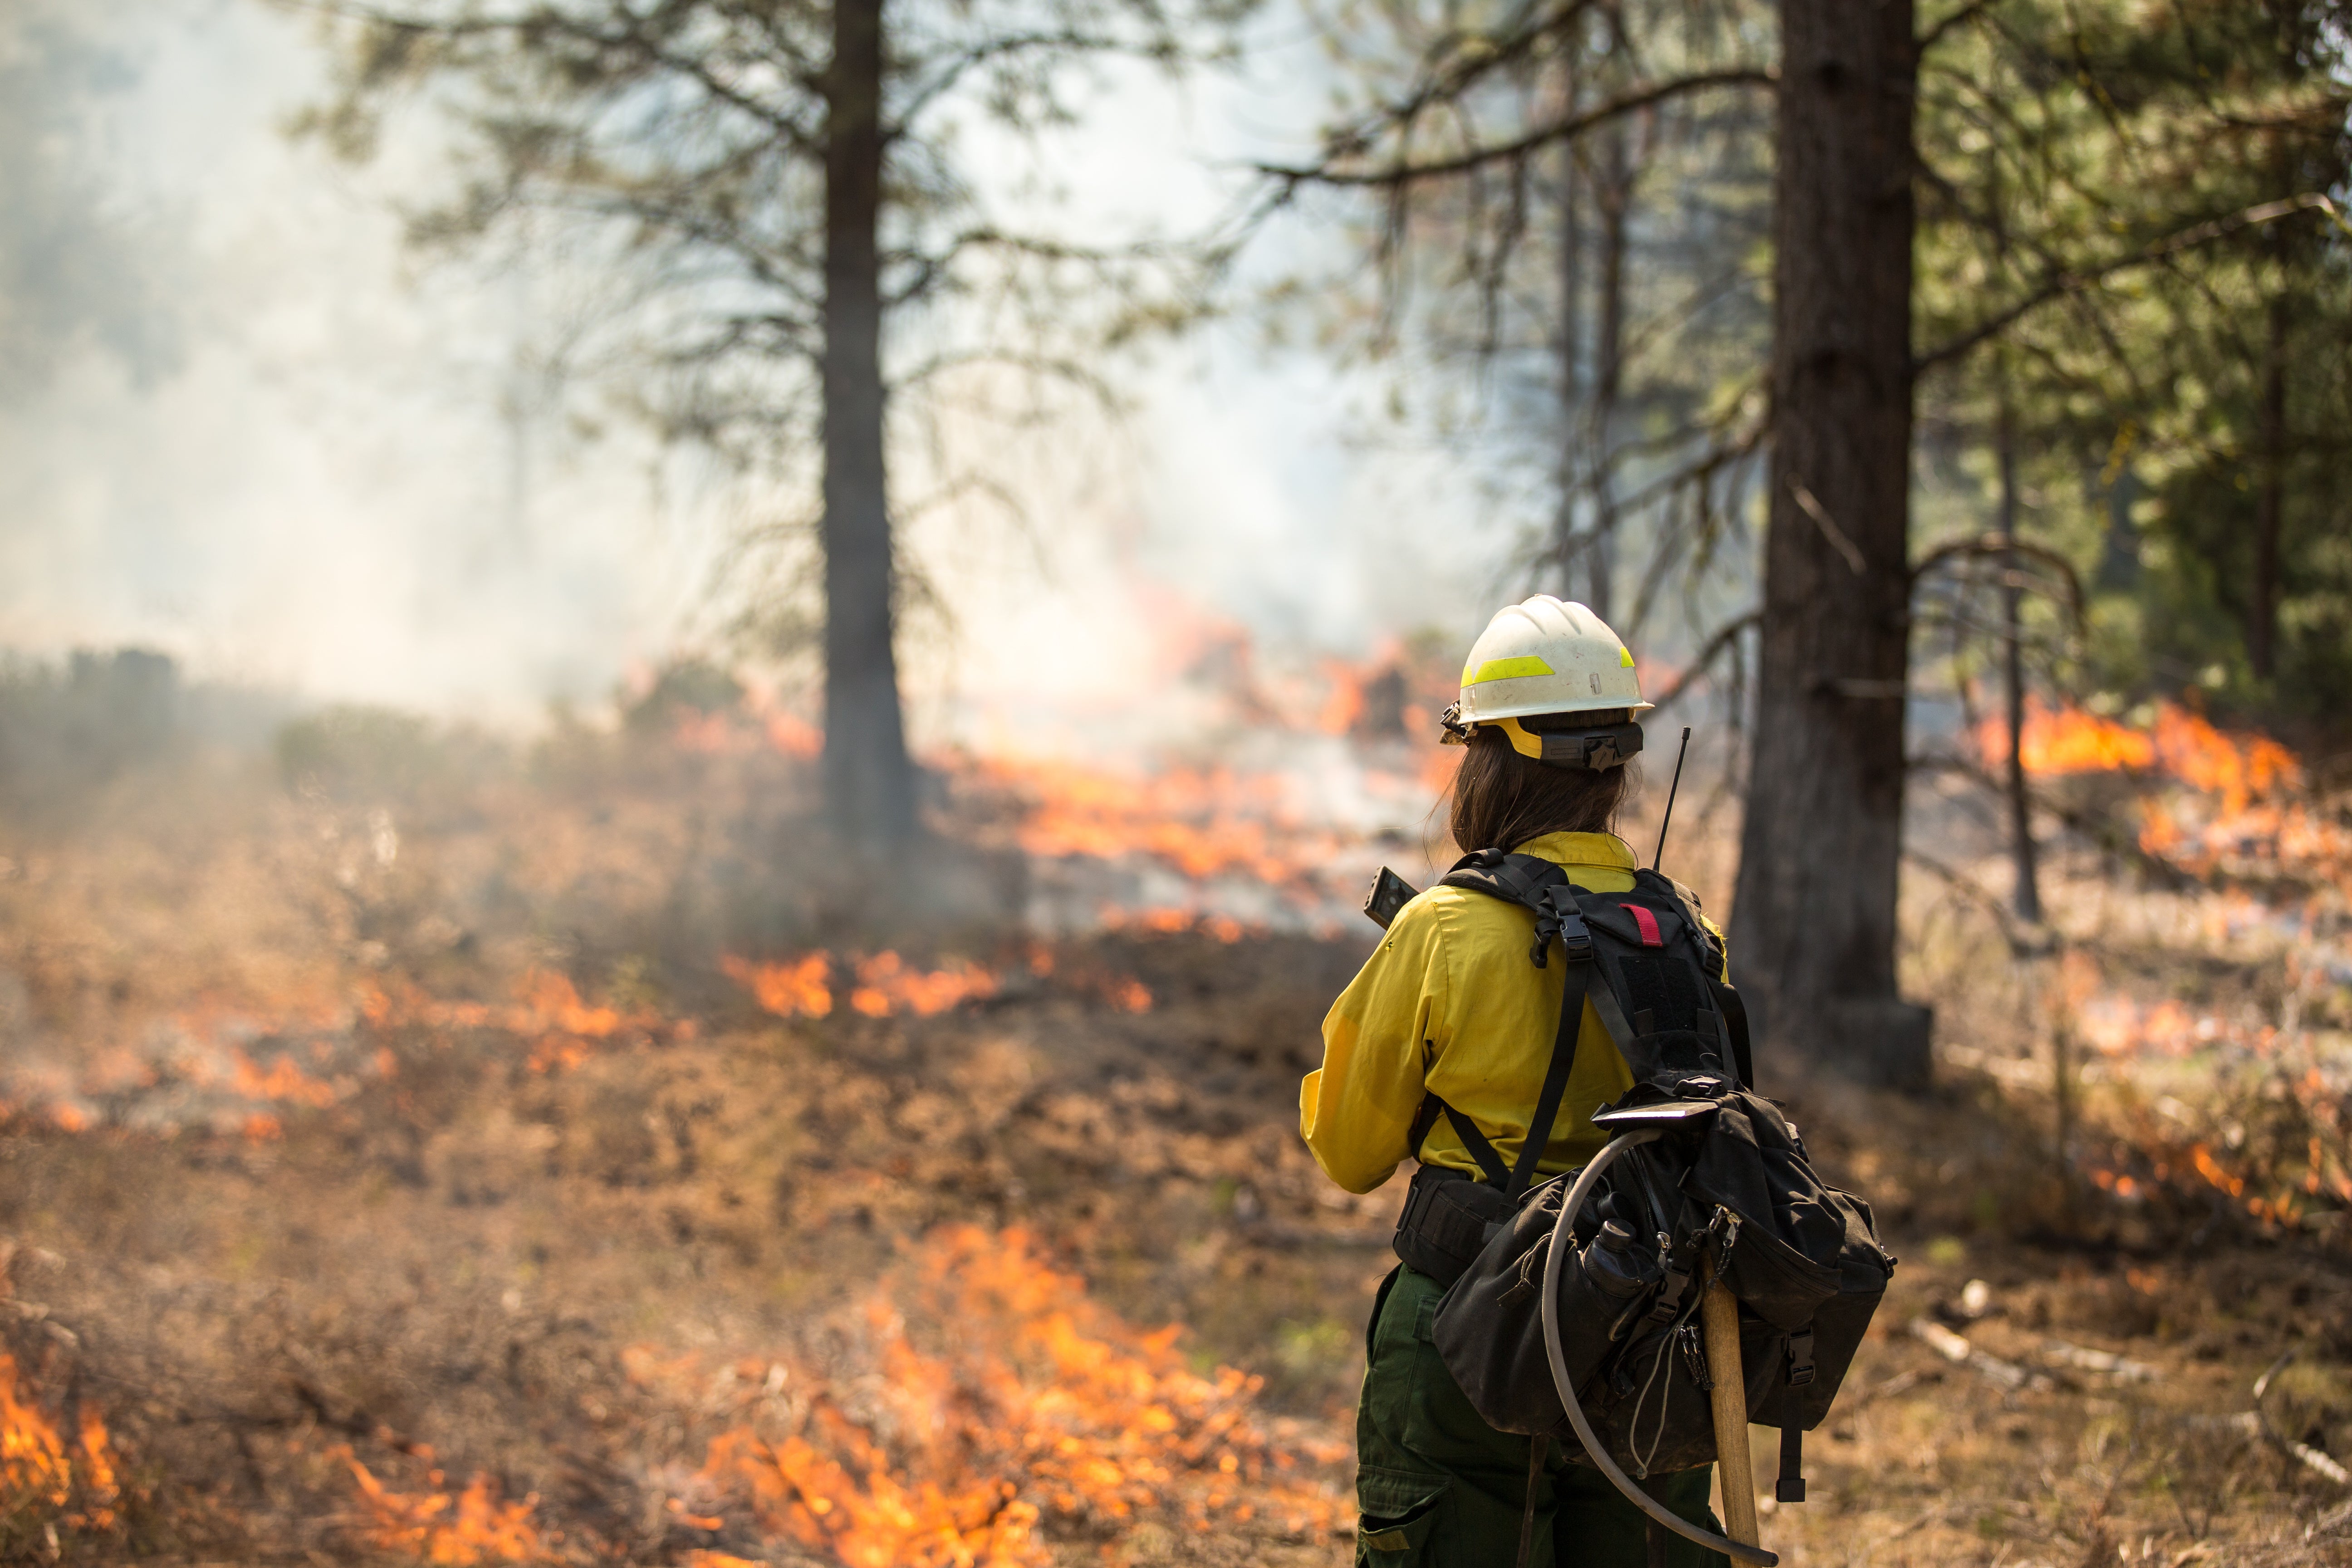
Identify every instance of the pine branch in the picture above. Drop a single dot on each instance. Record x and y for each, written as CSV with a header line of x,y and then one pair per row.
x,y
1567,127
2077,281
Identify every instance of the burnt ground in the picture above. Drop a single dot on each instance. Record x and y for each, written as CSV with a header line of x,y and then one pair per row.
x,y
525,1277
462,1257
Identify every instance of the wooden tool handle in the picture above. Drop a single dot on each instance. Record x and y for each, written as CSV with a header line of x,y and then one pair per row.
x,y
1718,1314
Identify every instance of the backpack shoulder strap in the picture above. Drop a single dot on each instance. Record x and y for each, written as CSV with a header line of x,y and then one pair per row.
x,y
1726,999
1542,888
1514,878
1482,1147
1735,1018
1535,884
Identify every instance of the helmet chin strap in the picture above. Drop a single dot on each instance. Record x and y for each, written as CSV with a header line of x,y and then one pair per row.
x,y
1600,748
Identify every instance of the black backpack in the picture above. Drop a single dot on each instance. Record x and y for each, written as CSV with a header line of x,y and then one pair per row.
x,y
1656,965
1729,1182
1802,1259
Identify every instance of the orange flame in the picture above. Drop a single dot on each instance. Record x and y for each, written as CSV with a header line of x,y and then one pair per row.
x,y
2182,746
1345,704
2232,771
2058,740
284,1080
794,988
2114,1182
2210,1169
794,736
474,1527
555,1026
1221,929
548,1013
1128,995
1037,1406
1204,822
885,986
75,1483
2204,758
760,724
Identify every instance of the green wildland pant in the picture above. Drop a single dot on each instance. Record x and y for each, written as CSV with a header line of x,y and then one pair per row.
x,y
1438,1487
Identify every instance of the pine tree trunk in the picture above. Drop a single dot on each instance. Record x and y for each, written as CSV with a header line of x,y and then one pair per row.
x,y
2026,890
1814,919
1616,194
1567,549
2270,505
870,783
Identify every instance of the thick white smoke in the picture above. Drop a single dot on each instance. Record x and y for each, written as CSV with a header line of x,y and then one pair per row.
x,y
242,424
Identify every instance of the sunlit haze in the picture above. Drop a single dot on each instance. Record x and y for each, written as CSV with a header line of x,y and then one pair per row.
x,y
324,465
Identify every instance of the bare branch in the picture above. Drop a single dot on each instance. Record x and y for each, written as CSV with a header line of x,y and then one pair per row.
x,y
632,39
1065,39
1840,541
1716,646
1471,59
1566,128
1996,546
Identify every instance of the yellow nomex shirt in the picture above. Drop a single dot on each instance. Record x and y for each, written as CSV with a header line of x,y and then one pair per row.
x,y
1450,1005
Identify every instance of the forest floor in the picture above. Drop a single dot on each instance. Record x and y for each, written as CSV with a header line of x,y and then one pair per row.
x,y
432,1186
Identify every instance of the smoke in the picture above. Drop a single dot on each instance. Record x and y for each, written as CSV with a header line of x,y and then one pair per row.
x,y
76,275
240,422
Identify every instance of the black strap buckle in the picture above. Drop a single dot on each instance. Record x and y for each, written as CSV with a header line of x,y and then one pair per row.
x,y
1670,1299
1558,916
1800,1358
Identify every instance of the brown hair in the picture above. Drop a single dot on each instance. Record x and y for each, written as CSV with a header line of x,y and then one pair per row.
x,y
1502,799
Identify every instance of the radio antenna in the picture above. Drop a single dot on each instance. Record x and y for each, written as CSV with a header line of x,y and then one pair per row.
x,y
1668,820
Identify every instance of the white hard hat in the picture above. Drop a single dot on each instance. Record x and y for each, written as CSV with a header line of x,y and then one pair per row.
x,y
1543,655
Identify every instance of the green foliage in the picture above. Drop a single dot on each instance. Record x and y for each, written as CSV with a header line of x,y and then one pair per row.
x,y
2131,235
2129,239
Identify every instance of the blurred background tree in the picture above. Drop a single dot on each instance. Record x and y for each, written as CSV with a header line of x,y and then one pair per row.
x,y
2109,242
2194,374
2133,326
796,253
1724,289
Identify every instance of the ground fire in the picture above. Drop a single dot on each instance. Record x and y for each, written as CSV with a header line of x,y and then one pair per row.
x,y
526,1209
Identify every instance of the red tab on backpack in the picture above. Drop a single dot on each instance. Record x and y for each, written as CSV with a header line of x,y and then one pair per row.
x,y
1648,923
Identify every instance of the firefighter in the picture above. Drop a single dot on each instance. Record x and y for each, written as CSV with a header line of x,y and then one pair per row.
x,y
1448,1012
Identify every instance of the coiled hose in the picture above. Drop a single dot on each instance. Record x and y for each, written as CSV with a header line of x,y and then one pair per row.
x,y
1563,1241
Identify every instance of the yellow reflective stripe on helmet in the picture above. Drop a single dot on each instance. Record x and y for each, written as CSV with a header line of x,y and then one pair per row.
x,y
1624,658
1509,669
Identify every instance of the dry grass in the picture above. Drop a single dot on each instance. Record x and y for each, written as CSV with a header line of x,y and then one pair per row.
x,y
540,1293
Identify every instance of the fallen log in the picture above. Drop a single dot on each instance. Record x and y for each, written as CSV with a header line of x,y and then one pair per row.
x,y
1956,1348
2309,1457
